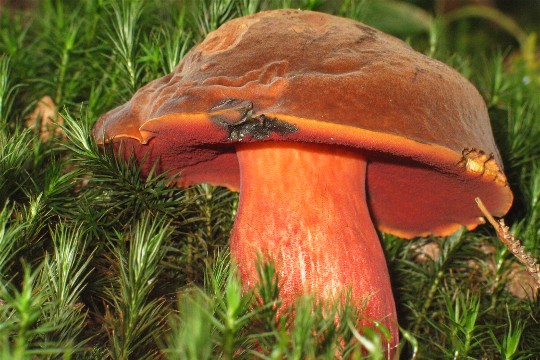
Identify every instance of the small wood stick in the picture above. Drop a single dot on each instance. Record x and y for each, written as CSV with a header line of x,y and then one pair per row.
x,y
515,247
487,214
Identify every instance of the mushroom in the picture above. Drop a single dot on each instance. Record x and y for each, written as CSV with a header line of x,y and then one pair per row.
x,y
328,128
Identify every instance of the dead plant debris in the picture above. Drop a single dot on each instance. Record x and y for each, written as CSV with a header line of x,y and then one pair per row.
x,y
513,244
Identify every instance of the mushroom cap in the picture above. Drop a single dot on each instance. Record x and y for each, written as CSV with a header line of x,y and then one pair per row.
x,y
303,76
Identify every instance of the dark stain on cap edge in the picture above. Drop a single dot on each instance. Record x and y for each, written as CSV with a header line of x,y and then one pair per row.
x,y
236,116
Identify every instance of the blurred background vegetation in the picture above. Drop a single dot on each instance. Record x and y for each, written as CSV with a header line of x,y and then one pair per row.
x,y
97,262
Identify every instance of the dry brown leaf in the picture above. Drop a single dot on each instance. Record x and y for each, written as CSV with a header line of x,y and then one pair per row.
x,y
520,282
426,252
46,116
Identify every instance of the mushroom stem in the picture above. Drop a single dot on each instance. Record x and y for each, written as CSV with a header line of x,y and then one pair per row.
x,y
303,206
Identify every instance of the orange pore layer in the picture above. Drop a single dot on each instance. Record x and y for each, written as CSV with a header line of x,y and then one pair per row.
x,y
304,207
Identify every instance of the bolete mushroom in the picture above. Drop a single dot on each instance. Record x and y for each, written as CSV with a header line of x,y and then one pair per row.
x,y
326,127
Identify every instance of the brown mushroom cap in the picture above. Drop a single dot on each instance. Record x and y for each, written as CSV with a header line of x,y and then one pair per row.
x,y
293,75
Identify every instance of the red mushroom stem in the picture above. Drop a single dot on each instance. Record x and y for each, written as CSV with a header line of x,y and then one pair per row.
x,y
303,206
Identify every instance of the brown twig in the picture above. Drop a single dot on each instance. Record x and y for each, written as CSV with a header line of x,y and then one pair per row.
x,y
513,244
